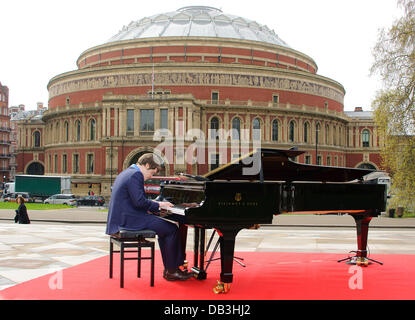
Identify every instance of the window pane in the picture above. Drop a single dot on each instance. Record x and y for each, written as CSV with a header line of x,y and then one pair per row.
x,y
147,120
256,129
130,120
64,163
291,133
76,163
365,138
37,139
90,168
215,97
78,130
92,130
214,126
275,130
236,129
163,118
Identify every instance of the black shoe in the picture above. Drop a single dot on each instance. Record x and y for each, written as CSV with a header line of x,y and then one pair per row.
x,y
177,275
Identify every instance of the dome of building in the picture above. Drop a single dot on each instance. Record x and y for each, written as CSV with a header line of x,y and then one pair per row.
x,y
198,21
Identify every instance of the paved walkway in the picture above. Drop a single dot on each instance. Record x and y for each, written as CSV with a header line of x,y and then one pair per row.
x,y
62,238
99,215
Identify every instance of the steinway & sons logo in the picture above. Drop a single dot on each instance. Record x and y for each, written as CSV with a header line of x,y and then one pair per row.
x,y
238,202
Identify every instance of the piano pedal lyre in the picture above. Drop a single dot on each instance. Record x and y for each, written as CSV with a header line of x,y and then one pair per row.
x,y
222,287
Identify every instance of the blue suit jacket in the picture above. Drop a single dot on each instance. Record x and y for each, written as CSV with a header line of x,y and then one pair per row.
x,y
128,206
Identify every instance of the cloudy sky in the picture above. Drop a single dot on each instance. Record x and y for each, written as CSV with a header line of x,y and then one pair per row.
x,y
43,38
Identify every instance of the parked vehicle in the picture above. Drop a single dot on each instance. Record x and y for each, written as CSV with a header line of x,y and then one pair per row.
x,y
43,186
91,201
11,197
9,187
68,199
152,186
5,197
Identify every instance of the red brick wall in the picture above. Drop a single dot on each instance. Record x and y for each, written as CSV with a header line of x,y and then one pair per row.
x,y
177,53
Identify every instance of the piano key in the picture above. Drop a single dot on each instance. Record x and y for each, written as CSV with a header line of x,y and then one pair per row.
x,y
174,210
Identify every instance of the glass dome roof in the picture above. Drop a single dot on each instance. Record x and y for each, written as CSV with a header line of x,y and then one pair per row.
x,y
198,21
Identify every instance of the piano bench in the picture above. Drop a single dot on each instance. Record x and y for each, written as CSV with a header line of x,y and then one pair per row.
x,y
125,239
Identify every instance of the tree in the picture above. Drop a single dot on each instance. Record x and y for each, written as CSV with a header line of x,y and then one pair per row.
x,y
394,108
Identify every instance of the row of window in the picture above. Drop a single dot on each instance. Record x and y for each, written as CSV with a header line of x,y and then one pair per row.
x,y
215,160
53,166
276,131
147,126
77,135
146,120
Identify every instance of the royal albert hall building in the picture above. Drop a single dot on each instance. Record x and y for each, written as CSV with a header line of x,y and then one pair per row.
x,y
200,85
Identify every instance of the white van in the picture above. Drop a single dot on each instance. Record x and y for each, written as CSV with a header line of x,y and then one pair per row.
x,y
68,199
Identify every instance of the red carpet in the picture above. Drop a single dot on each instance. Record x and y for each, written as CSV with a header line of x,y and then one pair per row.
x,y
268,276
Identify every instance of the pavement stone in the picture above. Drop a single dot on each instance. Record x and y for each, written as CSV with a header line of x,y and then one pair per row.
x,y
58,239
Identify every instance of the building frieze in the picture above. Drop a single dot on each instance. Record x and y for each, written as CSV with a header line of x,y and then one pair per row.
x,y
194,79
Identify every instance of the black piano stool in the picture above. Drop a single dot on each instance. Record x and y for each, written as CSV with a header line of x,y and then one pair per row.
x,y
132,239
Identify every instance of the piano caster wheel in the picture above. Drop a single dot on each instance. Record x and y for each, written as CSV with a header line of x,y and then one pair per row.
x,y
184,266
362,262
222,287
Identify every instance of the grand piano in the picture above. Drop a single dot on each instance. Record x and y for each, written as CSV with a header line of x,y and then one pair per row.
x,y
266,182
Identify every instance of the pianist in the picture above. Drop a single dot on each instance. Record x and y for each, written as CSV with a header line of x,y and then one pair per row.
x,y
130,210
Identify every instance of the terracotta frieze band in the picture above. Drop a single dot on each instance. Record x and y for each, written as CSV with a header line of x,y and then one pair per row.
x,y
189,79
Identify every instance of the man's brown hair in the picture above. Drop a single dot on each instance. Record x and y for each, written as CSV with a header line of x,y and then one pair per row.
x,y
151,160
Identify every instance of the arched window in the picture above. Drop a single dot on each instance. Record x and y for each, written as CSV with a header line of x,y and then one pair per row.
x,y
236,129
365,138
291,132
36,136
92,129
318,131
306,131
256,129
214,127
57,133
275,130
66,133
335,136
327,134
78,130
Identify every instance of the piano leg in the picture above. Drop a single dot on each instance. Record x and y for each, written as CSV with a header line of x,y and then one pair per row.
x,y
227,248
199,253
362,231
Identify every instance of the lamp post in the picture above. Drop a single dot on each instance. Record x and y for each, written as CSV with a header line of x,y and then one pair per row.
x,y
109,139
317,132
111,164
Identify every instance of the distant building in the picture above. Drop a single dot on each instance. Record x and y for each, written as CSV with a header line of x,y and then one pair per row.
x,y
29,152
192,77
5,153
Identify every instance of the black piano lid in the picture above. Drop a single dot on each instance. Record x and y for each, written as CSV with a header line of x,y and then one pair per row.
x,y
277,166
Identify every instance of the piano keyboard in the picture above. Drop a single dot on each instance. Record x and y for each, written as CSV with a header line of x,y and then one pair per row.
x,y
174,210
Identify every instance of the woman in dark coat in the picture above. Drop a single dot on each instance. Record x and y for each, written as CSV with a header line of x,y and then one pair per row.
x,y
21,212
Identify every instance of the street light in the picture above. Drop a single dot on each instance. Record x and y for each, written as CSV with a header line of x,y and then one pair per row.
x,y
317,132
108,139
